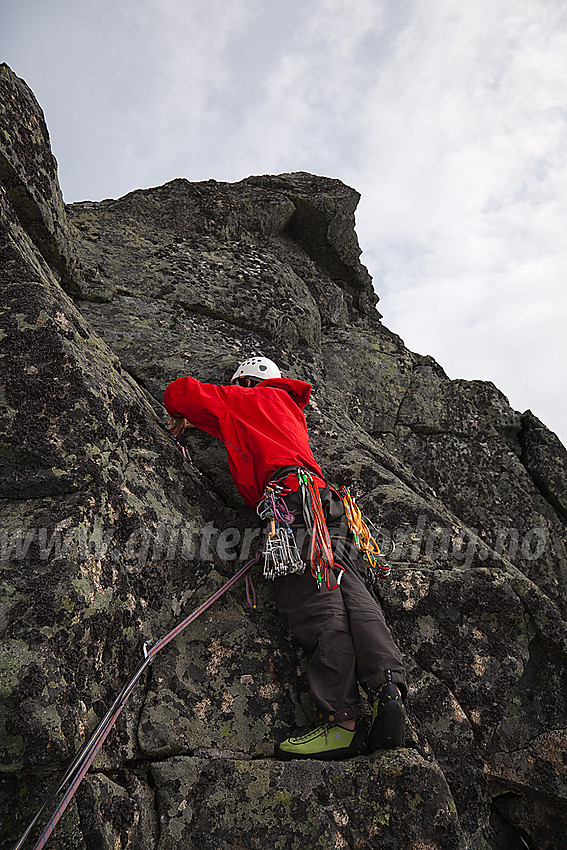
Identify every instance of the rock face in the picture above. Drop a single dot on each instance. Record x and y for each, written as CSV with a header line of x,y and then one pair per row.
x,y
108,539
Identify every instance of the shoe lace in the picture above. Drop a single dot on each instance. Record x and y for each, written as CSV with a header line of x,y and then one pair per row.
x,y
319,730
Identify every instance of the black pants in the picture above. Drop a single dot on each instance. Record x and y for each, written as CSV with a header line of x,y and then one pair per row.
x,y
343,630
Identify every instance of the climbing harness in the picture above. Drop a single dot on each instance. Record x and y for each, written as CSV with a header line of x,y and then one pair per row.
x,y
363,539
281,555
77,771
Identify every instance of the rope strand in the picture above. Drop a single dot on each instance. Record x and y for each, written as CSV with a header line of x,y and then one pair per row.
x,y
321,555
78,769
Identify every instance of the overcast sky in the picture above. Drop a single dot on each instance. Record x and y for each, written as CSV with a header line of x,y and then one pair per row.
x,y
449,118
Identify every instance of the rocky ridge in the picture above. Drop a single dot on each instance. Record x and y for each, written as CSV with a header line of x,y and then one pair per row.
x,y
108,539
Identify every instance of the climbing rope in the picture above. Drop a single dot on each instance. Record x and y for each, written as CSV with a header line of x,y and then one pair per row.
x,y
362,536
77,771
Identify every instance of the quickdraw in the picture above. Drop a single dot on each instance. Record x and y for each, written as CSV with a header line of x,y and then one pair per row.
x,y
281,555
185,453
363,539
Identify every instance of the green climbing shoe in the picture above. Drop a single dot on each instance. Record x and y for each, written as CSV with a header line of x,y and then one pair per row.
x,y
388,720
325,742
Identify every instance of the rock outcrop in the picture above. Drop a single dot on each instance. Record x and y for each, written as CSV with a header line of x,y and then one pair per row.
x,y
108,539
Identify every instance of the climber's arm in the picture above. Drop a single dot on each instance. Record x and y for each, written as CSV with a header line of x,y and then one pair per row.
x,y
193,404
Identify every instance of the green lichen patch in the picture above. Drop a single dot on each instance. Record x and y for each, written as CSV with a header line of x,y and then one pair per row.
x,y
258,804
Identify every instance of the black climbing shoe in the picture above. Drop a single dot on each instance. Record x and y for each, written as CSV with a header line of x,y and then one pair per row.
x,y
325,742
388,720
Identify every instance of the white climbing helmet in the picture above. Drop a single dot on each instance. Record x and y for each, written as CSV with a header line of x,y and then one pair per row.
x,y
257,367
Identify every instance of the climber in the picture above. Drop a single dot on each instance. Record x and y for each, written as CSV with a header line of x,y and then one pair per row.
x,y
259,418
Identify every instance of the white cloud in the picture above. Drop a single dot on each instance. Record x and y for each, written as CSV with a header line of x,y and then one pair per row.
x,y
465,196
307,100
131,84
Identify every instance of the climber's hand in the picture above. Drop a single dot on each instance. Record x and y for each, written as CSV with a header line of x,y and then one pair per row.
x,y
177,425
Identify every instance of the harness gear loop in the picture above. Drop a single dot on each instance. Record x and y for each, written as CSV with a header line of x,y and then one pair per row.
x,y
363,539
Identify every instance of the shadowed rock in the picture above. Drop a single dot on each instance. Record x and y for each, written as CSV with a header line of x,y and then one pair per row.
x,y
28,173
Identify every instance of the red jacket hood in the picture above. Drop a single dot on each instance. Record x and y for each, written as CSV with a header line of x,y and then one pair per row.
x,y
300,391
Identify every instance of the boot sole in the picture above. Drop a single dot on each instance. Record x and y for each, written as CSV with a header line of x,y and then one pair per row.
x,y
387,731
330,755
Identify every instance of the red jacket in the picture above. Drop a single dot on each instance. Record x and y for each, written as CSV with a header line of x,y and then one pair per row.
x,y
263,427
